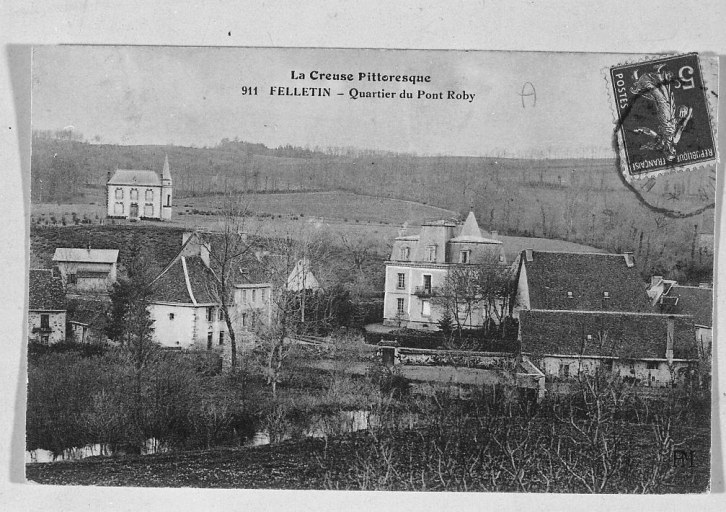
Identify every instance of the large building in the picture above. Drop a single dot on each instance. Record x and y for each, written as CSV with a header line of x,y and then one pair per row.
x,y
419,265
139,194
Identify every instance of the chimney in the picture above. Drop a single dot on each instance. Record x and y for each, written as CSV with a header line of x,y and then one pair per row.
x,y
528,255
654,280
629,258
669,338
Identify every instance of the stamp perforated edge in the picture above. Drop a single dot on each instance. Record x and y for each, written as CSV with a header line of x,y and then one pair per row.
x,y
711,108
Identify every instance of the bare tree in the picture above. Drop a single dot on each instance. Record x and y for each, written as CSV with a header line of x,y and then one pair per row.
x,y
227,248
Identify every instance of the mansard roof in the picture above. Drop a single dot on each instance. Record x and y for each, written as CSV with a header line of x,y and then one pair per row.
x,y
611,334
579,281
142,178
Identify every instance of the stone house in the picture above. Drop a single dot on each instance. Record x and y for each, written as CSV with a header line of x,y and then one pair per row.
x,y
86,271
185,308
46,307
646,349
139,194
418,267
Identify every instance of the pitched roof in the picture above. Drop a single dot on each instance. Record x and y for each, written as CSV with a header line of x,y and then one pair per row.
x,y
692,300
186,280
471,233
135,177
551,275
623,335
86,255
45,291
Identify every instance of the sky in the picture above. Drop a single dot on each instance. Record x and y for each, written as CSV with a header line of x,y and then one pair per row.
x,y
192,97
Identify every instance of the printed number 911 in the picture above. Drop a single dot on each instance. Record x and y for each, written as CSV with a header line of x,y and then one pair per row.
x,y
249,90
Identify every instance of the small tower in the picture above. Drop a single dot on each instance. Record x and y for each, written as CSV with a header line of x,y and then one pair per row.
x,y
166,190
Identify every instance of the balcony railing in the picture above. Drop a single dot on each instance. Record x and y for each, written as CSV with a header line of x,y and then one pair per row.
x,y
426,291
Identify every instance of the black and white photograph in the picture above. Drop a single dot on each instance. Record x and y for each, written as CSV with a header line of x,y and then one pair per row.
x,y
371,270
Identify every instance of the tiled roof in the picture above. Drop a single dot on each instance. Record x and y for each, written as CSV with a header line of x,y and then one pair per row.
x,y
551,275
171,285
135,177
45,292
624,335
86,255
86,316
694,301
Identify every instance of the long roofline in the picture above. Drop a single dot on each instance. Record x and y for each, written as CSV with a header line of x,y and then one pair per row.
x,y
608,312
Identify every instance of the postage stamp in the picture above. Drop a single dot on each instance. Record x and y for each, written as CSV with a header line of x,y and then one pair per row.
x,y
663,116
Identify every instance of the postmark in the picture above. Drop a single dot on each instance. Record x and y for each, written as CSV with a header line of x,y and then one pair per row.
x,y
662,115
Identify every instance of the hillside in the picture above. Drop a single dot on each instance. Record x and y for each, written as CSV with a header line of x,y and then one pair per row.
x,y
580,201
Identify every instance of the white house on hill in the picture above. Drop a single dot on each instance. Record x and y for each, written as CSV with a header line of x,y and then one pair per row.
x,y
139,194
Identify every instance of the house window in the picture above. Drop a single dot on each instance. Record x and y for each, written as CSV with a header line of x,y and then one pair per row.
x,y
210,339
501,258
565,370
72,278
244,295
118,209
119,193
221,315
45,321
254,295
244,319
425,308
431,253
149,210
399,306
605,295
464,256
210,314
405,252
168,200
221,337
45,339
134,194
171,316
427,283
149,195
652,365
589,337
263,295
401,283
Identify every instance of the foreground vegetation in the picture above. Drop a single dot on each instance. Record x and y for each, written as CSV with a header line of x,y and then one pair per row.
x,y
605,437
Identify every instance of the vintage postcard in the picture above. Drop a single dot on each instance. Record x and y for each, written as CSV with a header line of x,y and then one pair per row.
x,y
358,269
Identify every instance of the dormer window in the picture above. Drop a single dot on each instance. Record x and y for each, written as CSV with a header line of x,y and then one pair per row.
x,y
464,256
570,295
405,252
